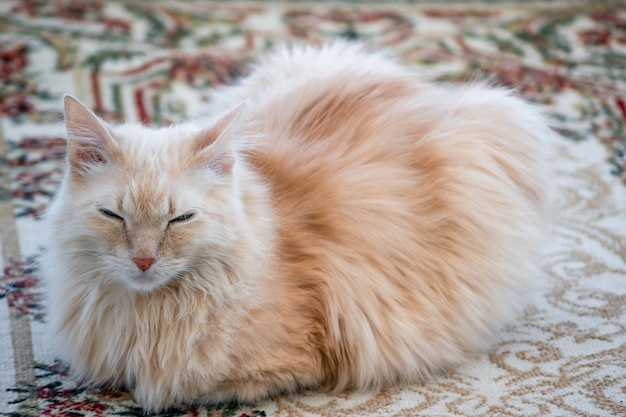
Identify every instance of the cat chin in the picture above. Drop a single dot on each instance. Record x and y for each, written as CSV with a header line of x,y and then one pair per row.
x,y
144,282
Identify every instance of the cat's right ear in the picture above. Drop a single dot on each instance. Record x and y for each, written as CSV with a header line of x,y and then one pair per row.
x,y
214,144
90,140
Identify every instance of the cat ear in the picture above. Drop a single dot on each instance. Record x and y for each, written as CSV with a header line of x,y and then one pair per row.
x,y
89,138
214,144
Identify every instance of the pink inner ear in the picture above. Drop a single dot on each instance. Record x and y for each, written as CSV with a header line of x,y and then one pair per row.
x,y
86,154
215,154
223,163
214,145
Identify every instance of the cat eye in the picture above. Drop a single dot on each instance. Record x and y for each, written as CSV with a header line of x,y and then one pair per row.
x,y
182,218
109,213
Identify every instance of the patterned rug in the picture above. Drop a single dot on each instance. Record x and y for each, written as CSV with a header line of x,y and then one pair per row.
x,y
155,61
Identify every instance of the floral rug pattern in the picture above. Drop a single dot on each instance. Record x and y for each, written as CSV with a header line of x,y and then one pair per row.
x,y
154,62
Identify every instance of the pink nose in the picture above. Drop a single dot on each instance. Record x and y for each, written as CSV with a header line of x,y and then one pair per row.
x,y
144,263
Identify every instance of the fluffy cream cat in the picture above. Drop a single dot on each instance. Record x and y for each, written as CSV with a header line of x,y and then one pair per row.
x,y
343,226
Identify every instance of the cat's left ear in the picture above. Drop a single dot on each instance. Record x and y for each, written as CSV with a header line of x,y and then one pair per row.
x,y
214,144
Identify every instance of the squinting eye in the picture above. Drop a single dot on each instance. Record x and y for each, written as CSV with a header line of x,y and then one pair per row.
x,y
182,218
109,213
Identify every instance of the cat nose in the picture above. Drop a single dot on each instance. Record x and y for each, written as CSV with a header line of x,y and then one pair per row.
x,y
144,263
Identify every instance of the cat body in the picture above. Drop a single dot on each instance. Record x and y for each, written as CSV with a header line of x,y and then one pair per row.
x,y
347,227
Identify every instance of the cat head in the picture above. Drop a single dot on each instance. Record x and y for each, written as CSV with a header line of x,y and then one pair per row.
x,y
145,206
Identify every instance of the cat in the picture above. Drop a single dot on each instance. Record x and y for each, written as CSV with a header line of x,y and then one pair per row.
x,y
340,226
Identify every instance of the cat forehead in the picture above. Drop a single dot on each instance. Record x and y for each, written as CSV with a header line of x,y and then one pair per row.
x,y
151,175
142,202
139,137
145,195
148,179
147,150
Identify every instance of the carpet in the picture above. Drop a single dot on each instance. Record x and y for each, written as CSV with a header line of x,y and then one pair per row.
x,y
155,61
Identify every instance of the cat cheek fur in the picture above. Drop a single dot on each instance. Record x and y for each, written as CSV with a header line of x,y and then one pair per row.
x,y
356,228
